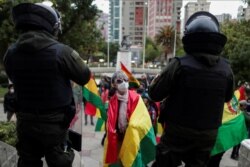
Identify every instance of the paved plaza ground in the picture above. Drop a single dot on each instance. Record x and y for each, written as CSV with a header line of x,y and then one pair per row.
x,y
92,153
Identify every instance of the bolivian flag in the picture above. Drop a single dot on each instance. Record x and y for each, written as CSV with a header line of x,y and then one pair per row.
x,y
100,125
93,105
233,129
138,145
133,82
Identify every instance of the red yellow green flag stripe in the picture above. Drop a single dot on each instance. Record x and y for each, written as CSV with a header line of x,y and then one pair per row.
x,y
138,146
133,82
93,105
233,129
100,125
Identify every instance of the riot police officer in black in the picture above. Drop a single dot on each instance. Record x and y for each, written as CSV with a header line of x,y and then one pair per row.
x,y
41,68
193,89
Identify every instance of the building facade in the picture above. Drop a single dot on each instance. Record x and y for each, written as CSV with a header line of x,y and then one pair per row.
x,y
134,20
115,20
192,7
176,21
102,24
128,17
223,17
247,13
141,18
162,13
243,13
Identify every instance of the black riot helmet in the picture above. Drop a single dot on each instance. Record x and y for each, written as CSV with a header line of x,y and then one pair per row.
x,y
29,16
202,34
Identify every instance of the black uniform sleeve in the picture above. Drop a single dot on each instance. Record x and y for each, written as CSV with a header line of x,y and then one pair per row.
x,y
162,84
75,68
230,88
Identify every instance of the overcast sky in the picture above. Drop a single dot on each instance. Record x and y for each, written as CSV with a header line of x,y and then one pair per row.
x,y
216,7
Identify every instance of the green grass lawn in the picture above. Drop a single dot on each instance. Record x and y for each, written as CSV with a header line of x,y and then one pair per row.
x,y
3,91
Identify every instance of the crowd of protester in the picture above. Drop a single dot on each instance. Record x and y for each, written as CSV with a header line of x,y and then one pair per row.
x,y
107,91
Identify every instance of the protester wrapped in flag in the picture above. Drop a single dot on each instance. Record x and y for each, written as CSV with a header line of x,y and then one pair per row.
x,y
133,82
130,138
93,104
233,129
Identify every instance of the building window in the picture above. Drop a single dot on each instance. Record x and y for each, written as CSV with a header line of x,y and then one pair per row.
x,y
116,34
117,2
117,12
116,23
138,38
139,3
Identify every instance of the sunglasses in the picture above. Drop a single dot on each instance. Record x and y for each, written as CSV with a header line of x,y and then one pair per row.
x,y
119,81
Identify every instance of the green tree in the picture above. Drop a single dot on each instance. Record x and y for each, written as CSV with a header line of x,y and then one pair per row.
x,y
152,50
237,48
179,47
79,28
165,38
7,32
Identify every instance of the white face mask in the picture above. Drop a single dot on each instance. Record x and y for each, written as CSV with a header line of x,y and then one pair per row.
x,y
122,87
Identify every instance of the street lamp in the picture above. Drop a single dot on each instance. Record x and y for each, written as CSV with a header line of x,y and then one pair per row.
x,y
108,39
145,33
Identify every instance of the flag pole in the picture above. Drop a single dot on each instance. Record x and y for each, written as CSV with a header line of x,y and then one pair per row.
x,y
174,50
145,33
81,155
108,39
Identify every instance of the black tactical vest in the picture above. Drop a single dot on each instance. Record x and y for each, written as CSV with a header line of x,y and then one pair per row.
x,y
199,95
39,81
